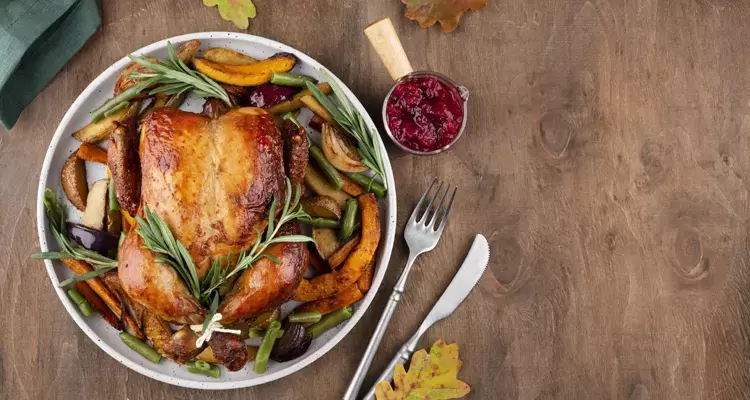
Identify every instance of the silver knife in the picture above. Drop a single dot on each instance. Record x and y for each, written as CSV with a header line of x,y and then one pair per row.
x,y
466,278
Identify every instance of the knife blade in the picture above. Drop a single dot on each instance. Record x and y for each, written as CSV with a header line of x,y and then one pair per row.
x,y
463,282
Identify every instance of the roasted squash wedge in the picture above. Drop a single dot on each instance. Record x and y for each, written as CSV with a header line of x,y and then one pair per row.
x,y
249,74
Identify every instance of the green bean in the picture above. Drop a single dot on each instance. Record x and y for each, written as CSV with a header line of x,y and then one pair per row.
x,y
116,108
253,333
204,368
369,184
287,79
83,305
264,351
326,168
349,219
319,222
140,347
305,317
114,205
329,321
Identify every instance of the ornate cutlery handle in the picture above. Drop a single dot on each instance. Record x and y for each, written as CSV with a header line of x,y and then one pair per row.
x,y
377,335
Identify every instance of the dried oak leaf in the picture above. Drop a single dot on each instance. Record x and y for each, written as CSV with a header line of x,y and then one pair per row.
x,y
447,12
431,376
237,11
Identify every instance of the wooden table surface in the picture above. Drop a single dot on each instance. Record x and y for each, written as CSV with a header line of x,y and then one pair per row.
x,y
605,159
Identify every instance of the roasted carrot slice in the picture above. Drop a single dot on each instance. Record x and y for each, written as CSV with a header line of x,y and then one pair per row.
x,y
342,299
93,153
85,290
334,282
350,187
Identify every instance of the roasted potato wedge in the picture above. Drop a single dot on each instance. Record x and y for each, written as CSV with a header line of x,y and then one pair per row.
x,y
310,102
73,178
186,50
340,151
124,162
326,241
355,265
96,205
294,103
97,131
346,297
246,75
318,184
236,91
339,256
322,206
207,355
225,56
157,330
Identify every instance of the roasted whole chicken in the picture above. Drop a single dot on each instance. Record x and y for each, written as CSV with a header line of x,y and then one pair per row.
x,y
212,178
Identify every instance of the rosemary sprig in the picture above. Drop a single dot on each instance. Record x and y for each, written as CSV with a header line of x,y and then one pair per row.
x,y
56,216
291,211
171,76
158,238
368,143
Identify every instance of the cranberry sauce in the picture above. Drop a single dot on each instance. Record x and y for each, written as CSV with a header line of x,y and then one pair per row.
x,y
425,113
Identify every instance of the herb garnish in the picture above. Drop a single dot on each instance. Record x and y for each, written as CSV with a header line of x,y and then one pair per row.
x,y
56,216
174,77
368,144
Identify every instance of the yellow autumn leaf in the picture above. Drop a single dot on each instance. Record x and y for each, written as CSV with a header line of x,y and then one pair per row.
x,y
432,376
237,11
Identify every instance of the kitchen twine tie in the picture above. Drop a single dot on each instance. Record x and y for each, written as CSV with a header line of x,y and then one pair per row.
x,y
213,326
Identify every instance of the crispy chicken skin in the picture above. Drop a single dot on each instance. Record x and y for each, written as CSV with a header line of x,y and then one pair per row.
x,y
266,284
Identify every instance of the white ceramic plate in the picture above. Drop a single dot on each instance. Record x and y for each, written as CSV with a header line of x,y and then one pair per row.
x,y
63,144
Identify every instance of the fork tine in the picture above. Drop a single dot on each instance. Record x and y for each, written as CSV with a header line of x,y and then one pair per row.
x,y
438,208
415,213
429,206
447,210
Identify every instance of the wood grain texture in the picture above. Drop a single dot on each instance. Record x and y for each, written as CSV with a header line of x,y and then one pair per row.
x,y
606,160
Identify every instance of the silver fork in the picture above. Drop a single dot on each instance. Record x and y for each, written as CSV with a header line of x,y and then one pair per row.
x,y
422,236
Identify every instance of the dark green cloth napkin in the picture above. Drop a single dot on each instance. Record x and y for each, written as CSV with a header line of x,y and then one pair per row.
x,y
37,37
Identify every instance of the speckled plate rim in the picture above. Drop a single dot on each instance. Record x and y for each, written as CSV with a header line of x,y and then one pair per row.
x,y
385,247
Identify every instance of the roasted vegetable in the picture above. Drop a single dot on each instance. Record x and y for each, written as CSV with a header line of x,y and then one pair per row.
x,y
73,179
340,151
160,100
287,79
349,295
317,108
85,290
316,122
203,368
365,281
305,317
96,205
139,347
225,56
293,344
350,187
214,108
317,222
326,241
266,346
295,104
93,153
333,282
246,75
80,268
339,256
329,321
263,320
97,131
184,52
349,219
322,206
326,168
269,95
156,330
125,164
318,184
93,239
83,305
369,184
